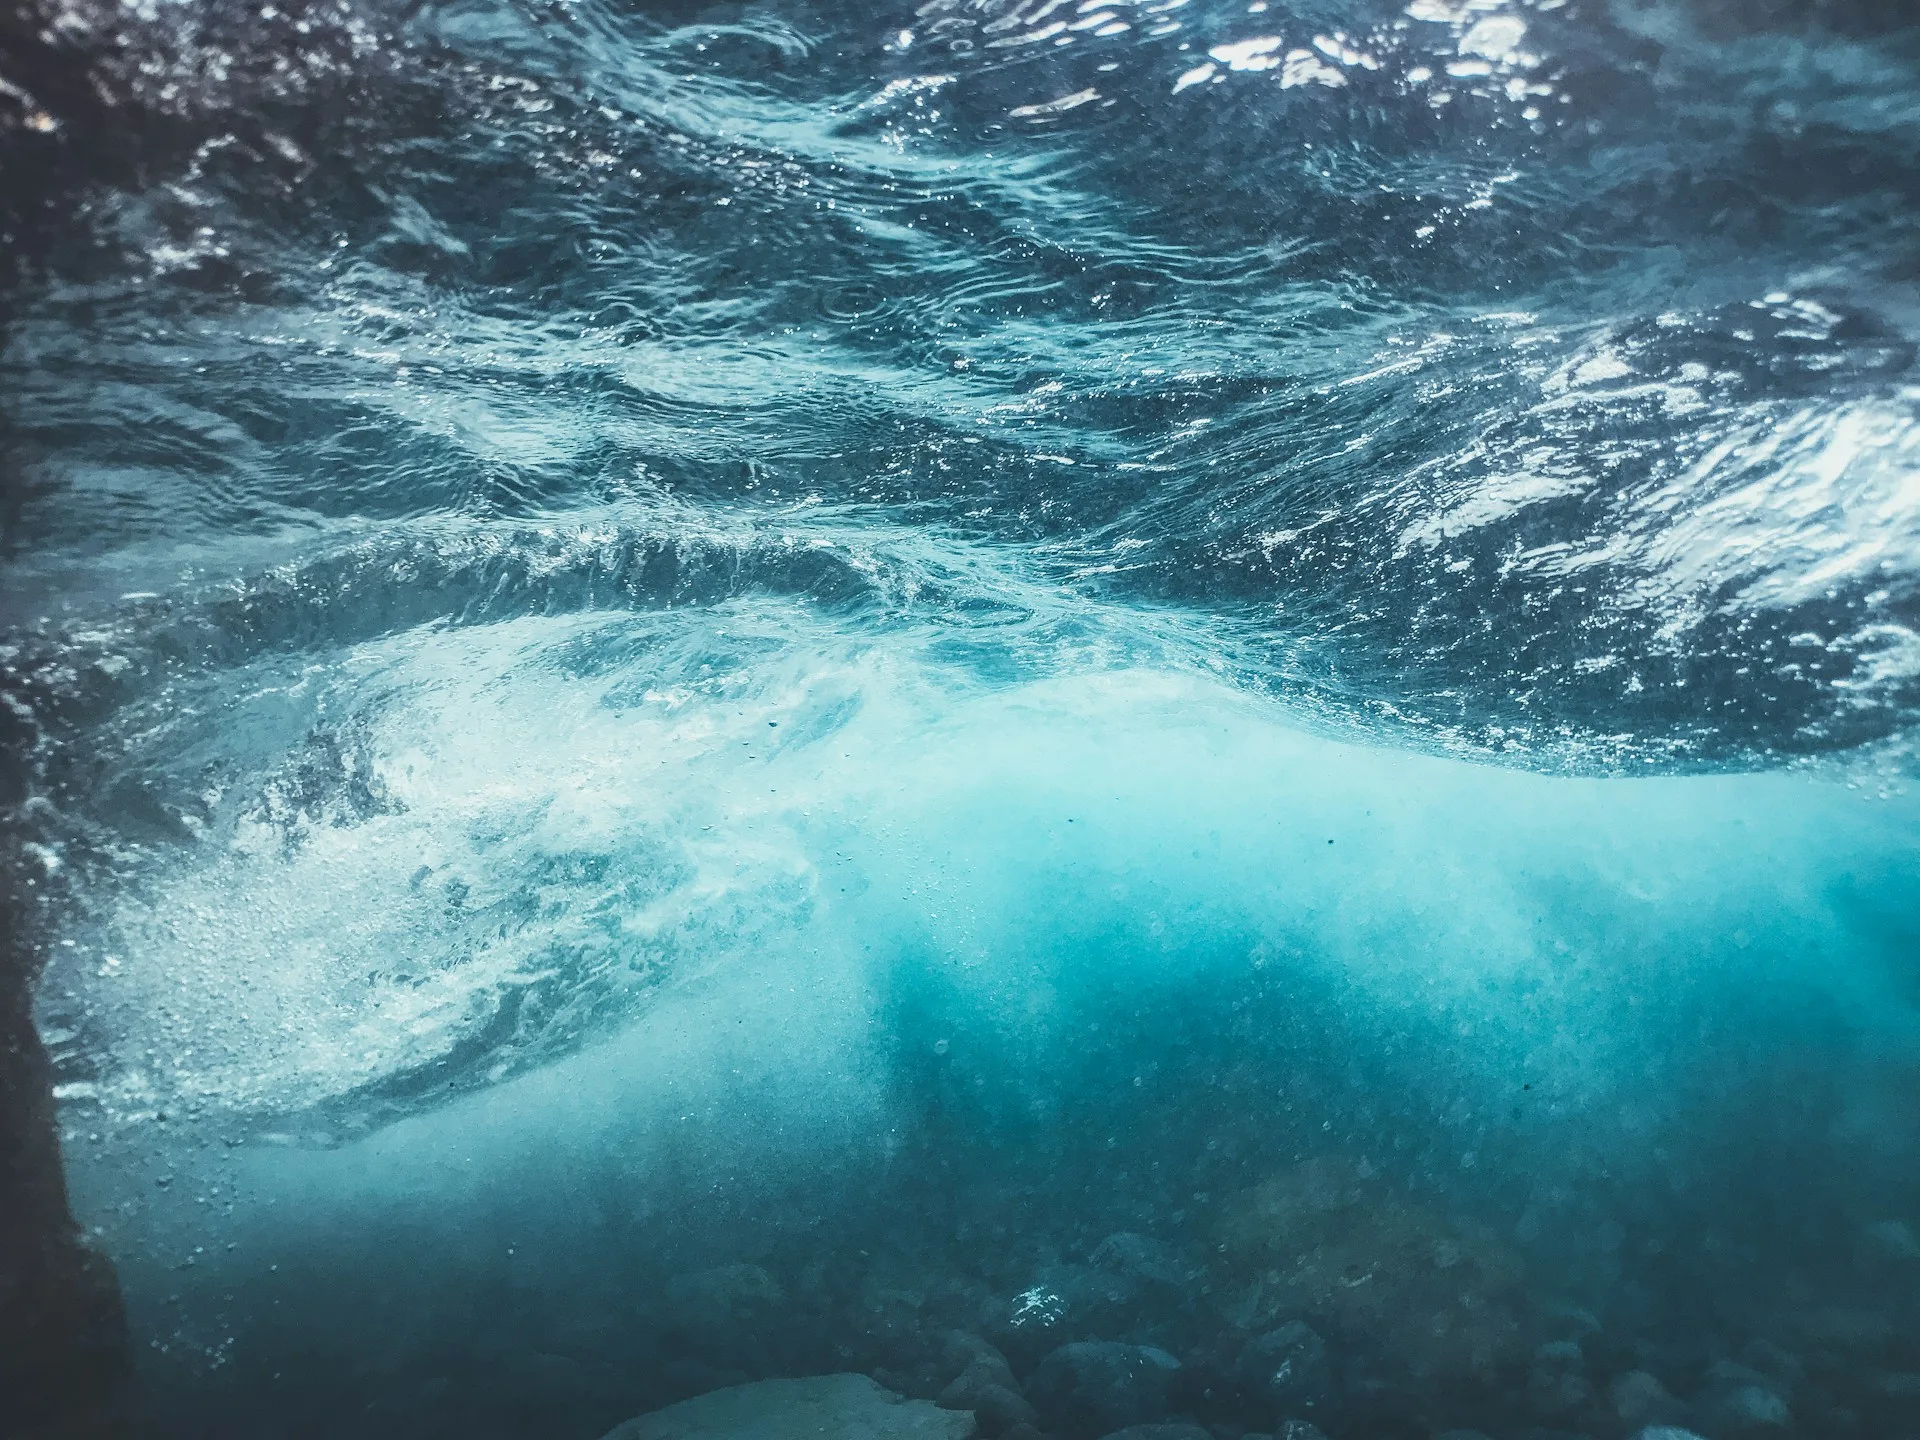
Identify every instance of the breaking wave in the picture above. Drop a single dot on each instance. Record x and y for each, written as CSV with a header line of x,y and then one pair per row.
x,y
571,562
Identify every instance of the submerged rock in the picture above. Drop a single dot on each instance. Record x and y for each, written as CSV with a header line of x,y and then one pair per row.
x,y
961,1350
1889,1240
1782,1367
1096,1387
1739,1400
1087,1302
1557,1384
843,1407
989,1391
1132,1288
1330,1240
900,1311
1746,1410
1142,1258
1640,1399
1286,1368
1161,1432
1038,1319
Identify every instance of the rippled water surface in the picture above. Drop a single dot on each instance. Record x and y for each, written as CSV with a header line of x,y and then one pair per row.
x,y
882,644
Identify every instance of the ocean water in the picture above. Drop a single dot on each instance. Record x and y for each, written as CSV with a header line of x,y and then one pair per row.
x,y
698,692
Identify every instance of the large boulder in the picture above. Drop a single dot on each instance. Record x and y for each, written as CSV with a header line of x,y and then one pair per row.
x,y
1096,1387
1330,1240
821,1407
1639,1399
1133,1288
1065,1303
987,1388
1557,1384
1142,1258
1740,1401
1286,1370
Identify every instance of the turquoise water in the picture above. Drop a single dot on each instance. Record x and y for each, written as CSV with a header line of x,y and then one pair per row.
x,y
701,692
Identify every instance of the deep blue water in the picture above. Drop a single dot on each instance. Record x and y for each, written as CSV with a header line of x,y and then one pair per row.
x,y
696,692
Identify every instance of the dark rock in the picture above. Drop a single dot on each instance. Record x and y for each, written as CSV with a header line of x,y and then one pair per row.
x,y
1287,1368
1366,1396
1640,1399
1738,1400
65,1362
988,1390
1037,1320
903,1314
1780,1366
1889,1241
1082,1302
1746,1410
1557,1393
1460,1435
1135,1289
1727,1373
1330,1240
1575,1321
1161,1432
1557,1383
962,1351
1844,1325
1092,1388
1142,1258
1817,1413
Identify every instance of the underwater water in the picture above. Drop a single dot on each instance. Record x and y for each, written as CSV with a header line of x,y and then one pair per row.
x,y
698,692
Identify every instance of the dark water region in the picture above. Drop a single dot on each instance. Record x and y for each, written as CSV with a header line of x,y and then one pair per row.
x,y
1170,714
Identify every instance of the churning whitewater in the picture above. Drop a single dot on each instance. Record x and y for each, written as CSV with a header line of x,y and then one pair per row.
x,y
1179,719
